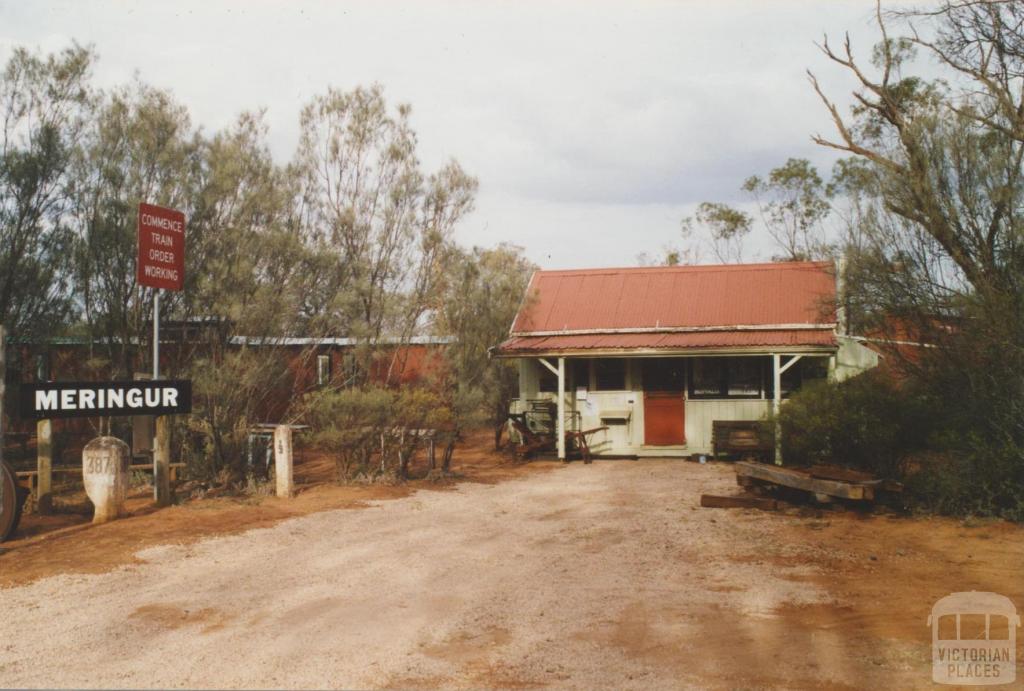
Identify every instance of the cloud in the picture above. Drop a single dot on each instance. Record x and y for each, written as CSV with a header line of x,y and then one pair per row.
x,y
592,127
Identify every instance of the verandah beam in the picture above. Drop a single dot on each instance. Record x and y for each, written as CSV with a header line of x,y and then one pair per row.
x,y
792,361
554,370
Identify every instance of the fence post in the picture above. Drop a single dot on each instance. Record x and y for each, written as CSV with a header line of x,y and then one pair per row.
x,y
283,460
162,461
44,466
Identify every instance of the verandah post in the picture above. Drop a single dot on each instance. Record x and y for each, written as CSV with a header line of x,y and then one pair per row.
x,y
776,404
560,422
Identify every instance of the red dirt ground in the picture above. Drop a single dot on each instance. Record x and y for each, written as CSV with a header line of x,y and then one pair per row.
x,y
728,586
68,543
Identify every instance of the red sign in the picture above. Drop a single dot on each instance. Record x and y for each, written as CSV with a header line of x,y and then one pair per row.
x,y
161,261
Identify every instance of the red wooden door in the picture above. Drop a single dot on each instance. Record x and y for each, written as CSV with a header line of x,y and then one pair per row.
x,y
664,402
664,418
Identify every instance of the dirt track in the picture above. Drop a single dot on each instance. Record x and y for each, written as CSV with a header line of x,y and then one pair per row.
x,y
599,576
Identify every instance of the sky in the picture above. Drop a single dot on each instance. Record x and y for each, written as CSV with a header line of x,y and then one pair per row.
x,y
593,128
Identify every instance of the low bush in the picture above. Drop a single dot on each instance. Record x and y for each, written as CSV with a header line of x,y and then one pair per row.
x,y
867,423
957,455
373,432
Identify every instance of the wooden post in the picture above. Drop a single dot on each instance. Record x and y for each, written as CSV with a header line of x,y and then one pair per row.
x,y
162,461
560,426
776,404
44,466
283,460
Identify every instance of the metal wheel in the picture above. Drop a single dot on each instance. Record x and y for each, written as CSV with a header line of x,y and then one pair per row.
x,y
10,504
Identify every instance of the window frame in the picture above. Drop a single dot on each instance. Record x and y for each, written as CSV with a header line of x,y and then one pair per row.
x,y
722,394
323,374
596,368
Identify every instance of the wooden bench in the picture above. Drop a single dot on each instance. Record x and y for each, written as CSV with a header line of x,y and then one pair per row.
x,y
746,439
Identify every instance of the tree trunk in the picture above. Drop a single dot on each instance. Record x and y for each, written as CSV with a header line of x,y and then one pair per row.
x,y
446,464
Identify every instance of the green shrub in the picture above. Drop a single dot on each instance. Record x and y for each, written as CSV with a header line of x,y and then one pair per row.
x,y
982,482
957,454
372,432
867,423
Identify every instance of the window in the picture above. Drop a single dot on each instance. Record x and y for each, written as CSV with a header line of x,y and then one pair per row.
x,y
708,378
745,377
814,368
43,366
323,370
730,377
805,370
610,374
580,373
577,373
664,374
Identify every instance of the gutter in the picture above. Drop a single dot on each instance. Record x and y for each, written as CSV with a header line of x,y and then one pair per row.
x,y
662,352
676,330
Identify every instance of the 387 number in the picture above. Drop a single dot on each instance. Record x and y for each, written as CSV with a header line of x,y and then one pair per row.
x,y
101,464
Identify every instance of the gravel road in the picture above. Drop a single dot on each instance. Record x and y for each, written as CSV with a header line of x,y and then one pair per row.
x,y
599,576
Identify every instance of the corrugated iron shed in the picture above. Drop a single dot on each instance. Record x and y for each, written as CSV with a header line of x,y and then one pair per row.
x,y
784,304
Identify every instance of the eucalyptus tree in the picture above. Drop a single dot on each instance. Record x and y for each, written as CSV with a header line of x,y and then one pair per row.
x,y
244,281
793,207
936,188
727,228
139,146
380,225
45,105
484,289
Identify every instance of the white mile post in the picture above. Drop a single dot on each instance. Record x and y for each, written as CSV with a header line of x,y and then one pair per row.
x,y
283,460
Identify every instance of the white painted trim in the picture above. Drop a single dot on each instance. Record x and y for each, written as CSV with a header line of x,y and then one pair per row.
x,y
554,370
522,303
883,341
306,340
676,330
809,351
792,361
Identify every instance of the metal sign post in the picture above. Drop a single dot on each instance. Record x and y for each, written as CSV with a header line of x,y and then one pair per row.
x,y
161,266
156,334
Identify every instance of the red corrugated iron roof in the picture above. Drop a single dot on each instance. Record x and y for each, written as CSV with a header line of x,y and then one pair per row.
x,y
737,305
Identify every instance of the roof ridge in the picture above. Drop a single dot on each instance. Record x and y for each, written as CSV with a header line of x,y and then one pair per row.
x,y
695,268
